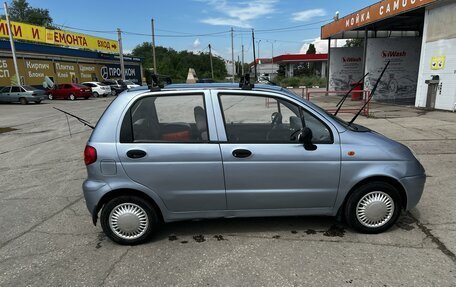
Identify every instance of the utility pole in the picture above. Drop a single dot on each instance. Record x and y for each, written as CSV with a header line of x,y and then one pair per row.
x,y
254,57
242,60
237,66
210,57
153,47
232,53
13,49
122,66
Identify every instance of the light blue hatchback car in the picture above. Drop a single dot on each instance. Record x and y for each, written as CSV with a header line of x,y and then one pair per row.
x,y
218,150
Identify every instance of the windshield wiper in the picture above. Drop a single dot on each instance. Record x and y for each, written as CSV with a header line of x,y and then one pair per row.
x,y
371,95
341,102
86,123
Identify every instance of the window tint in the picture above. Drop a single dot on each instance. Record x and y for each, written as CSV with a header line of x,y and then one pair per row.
x,y
180,118
262,119
15,89
5,90
67,87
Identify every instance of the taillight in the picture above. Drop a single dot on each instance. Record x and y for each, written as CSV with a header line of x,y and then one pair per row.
x,y
90,155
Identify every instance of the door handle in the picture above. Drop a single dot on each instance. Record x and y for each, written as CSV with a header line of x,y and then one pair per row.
x,y
136,153
241,153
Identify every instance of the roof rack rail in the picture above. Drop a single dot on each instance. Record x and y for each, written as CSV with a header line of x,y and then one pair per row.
x,y
158,82
244,82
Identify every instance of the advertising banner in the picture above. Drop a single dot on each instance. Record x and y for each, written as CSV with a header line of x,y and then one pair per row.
x,y
33,72
22,31
112,71
66,72
89,72
398,84
345,68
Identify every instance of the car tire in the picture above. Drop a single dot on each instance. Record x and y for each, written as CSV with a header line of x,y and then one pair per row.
x,y
23,101
50,97
129,220
37,102
86,98
71,97
373,207
95,95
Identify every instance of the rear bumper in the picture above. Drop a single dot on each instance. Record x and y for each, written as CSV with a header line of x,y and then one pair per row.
x,y
414,186
93,192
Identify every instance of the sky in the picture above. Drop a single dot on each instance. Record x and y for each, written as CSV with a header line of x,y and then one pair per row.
x,y
194,24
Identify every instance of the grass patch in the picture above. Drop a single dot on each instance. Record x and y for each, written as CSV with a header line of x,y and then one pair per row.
x,y
6,129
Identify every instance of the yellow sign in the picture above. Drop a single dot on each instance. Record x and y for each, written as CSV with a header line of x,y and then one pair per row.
x,y
22,31
438,63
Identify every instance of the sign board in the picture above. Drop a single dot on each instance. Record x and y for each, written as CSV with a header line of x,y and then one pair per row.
x,y
398,84
34,72
376,12
39,34
346,67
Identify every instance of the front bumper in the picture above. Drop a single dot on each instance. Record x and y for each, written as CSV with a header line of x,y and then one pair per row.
x,y
414,186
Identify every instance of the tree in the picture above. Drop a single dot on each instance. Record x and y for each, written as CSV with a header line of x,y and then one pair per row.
x,y
354,43
21,11
311,49
176,63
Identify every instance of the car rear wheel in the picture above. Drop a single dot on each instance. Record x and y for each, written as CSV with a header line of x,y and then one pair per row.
x,y
71,97
373,207
95,94
129,220
50,97
23,101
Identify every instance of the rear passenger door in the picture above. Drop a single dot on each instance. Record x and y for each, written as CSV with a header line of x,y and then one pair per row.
x,y
165,144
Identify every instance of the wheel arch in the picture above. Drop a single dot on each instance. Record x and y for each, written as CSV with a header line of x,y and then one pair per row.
x,y
378,178
121,192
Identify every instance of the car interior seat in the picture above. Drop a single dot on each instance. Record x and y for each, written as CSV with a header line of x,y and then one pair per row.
x,y
201,123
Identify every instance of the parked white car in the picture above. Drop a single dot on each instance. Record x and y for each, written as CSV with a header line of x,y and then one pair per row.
x,y
98,89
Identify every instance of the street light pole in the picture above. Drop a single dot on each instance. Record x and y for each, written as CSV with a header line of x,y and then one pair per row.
x,y
153,47
13,49
122,66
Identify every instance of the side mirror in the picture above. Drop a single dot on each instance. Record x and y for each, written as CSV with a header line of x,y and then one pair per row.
x,y
305,137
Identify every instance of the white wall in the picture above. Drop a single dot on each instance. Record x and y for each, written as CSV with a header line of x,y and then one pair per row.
x,y
439,40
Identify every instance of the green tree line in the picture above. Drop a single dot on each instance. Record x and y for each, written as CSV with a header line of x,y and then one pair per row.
x,y
176,63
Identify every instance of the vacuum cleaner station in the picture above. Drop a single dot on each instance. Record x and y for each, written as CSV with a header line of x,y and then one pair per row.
x,y
415,36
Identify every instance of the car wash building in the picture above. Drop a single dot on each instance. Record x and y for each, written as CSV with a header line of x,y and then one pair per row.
x,y
55,56
417,39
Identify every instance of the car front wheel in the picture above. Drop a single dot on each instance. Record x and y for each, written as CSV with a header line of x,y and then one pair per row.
x,y
373,207
129,220
50,97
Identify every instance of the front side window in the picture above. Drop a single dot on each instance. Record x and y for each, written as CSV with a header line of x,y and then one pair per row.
x,y
15,89
176,118
263,119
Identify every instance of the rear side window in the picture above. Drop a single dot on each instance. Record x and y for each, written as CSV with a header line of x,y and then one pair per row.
x,y
5,90
176,118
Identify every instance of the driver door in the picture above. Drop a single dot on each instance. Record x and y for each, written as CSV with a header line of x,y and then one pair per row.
x,y
265,167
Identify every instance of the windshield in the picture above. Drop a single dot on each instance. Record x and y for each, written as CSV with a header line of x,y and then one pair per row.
x,y
28,88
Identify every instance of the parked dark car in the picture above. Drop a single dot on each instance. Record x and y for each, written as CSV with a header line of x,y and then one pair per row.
x,y
69,92
21,94
116,86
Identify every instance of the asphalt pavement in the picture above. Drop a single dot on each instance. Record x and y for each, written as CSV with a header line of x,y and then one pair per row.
x,y
47,237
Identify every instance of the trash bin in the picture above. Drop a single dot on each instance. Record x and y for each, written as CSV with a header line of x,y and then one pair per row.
x,y
356,94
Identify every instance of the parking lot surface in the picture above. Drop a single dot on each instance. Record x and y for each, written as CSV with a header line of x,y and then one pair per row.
x,y
47,237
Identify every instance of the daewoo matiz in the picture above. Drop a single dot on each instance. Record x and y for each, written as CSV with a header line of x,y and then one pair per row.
x,y
218,150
